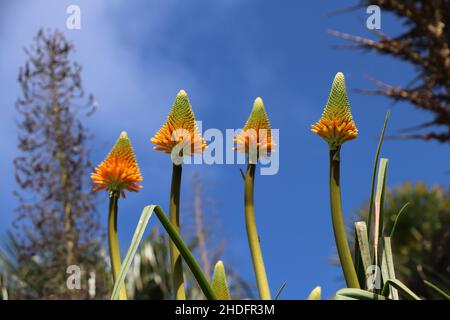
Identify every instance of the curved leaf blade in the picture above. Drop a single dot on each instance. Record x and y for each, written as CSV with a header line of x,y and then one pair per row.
x,y
401,287
137,237
177,240
357,294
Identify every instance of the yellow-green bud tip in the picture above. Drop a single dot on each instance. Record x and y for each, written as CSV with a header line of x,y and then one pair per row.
x,y
123,135
258,118
339,76
315,294
219,282
258,103
182,93
256,131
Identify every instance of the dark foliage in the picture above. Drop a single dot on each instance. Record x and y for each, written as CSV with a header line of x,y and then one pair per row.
x,y
421,243
425,45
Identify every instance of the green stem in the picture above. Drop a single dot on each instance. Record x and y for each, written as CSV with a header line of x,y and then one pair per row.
x,y
186,253
174,215
113,241
338,221
252,234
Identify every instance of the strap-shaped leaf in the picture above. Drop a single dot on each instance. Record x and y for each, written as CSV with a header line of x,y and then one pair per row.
x,y
219,282
177,240
438,290
379,206
357,294
363,250
401,287
137,237
399,214
374,176
279,291
387,266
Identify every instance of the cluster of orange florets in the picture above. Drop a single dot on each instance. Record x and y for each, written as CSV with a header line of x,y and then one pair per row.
x,y
336,125
119,171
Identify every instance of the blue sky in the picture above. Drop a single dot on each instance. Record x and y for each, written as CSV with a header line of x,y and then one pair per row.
x,y
136,55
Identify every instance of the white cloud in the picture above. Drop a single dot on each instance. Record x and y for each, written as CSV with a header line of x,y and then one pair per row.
x,y
130,96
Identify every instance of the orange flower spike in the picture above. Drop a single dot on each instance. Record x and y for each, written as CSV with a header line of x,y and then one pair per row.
x,y
119,171
256,132
336,125
179,126
255,140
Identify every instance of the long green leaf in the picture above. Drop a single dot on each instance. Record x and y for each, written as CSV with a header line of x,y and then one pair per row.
x,y
279,291
363,247
186,254
137,237
359,267
176,238
397,284
397,218
357,294
387,266
444,294
342,297
374,175
379,206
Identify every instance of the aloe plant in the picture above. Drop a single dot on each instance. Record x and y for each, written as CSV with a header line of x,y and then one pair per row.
x,y
255,141
373,250
179,137
117,173
336,126
369,275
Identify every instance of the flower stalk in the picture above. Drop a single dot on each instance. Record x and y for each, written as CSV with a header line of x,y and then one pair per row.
x,y
336,126
255,141
340,235
179,137
113,241
119,172
174,217
252,234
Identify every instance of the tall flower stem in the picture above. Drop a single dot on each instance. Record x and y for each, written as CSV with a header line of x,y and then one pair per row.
x,y
174,216
252,234
113,241
338,221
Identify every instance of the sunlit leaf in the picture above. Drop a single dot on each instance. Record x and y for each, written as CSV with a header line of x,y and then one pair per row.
x,y
357,294
387,266
177,240
362,247
402,288
374,175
